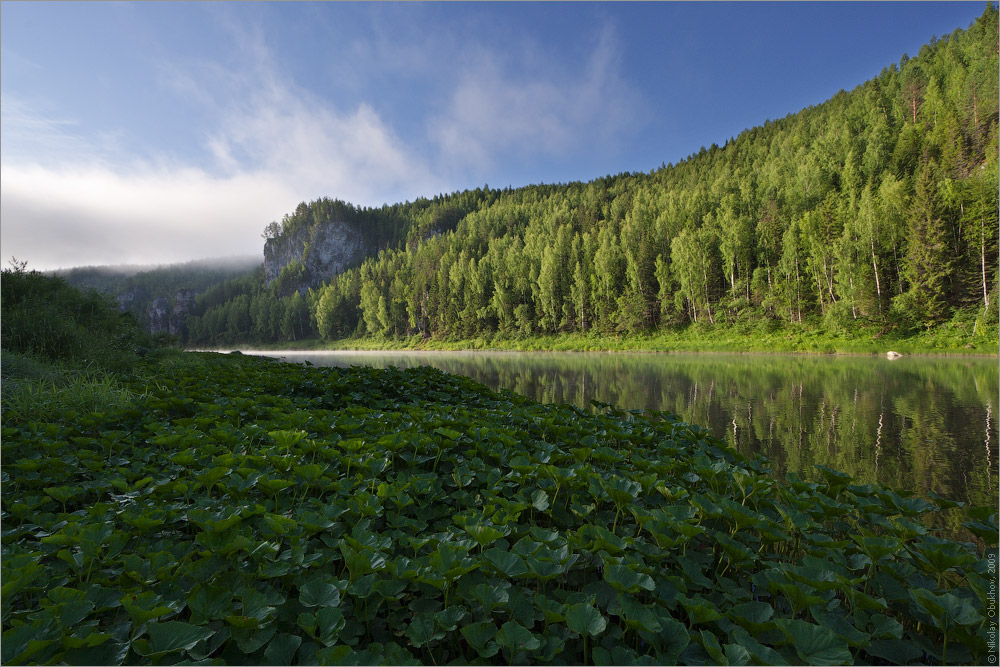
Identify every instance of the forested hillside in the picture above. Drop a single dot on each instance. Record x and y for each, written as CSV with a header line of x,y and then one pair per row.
x,y
136,287
877,208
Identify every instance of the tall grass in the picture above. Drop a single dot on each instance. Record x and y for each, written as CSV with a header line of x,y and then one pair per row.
x,y
34,391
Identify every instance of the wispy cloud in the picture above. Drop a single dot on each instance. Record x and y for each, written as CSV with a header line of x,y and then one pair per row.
x,y
269,141
535,107
65,201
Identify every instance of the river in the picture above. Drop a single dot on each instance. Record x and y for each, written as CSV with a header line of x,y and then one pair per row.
x,y
917,423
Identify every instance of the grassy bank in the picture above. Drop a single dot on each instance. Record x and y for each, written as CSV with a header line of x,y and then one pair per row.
x,y
952,338
236,510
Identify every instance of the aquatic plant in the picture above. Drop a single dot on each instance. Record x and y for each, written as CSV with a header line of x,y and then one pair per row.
x,y
238,510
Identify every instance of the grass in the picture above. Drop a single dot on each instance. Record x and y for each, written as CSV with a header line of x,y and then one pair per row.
x,y
40,391
950,338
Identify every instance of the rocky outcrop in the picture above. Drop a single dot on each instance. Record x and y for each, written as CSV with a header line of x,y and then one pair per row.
x,y
159,315
324,250
183,304
127,299
164,318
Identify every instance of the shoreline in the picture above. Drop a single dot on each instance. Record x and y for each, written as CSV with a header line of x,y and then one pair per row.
x,y
650,345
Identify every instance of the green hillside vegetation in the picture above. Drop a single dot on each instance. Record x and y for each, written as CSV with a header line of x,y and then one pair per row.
x,y
873,214
222,509
137,286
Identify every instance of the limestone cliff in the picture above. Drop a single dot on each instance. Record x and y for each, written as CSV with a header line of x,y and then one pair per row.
x,y
324,250
164,318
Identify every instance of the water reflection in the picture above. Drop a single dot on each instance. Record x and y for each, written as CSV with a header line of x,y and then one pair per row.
x,y
924,424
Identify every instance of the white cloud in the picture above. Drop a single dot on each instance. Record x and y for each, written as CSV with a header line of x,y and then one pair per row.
x,y
274,146
69,199
70,216
534,107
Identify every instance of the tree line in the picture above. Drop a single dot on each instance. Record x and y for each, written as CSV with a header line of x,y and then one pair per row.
x,y
876,208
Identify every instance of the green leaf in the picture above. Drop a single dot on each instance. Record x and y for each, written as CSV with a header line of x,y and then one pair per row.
x,y
209,603
699,609
946,610
516,637
895,651
282,649
711,646
483,534
638,615
624,578
422,630
816,645
319,593
754,616
479,635
505,562
585,619
764,655
175,636
448,619
329,621
108,653
540,500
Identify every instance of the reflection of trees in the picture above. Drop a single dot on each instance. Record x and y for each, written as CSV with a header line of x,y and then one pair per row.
x,y
918,424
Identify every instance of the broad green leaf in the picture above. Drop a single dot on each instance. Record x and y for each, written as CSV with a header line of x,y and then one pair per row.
x,y
624,578
209,603
516,637
479,635
422,630
754,616
175,636
639,615
712,647
108,653
319,593
816,645
699,609
483,534
894,651
282,649
585,619
505,562
946,610
540,500
329,621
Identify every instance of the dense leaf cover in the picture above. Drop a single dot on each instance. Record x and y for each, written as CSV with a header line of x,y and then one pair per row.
x,y
245,511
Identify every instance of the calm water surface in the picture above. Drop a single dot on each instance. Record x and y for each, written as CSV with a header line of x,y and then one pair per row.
x,y
918,423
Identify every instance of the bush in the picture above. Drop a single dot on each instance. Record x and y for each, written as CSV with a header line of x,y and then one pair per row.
x,y
43,316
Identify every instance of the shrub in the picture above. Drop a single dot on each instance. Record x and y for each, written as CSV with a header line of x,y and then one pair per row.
x,y
45,317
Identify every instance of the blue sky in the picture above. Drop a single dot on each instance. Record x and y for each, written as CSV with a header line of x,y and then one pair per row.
x,y
169,131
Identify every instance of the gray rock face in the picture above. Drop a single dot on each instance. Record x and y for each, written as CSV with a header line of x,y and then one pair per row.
x,y
326,250
159,315
183,304
127,298
164,318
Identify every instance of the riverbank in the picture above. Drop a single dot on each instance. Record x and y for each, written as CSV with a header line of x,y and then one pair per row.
x,y
953,338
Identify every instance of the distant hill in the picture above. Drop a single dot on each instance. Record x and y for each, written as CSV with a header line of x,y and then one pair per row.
x,y
137,287
876,208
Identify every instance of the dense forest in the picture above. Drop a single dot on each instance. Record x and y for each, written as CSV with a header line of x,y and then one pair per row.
x,y
137,286
877,208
